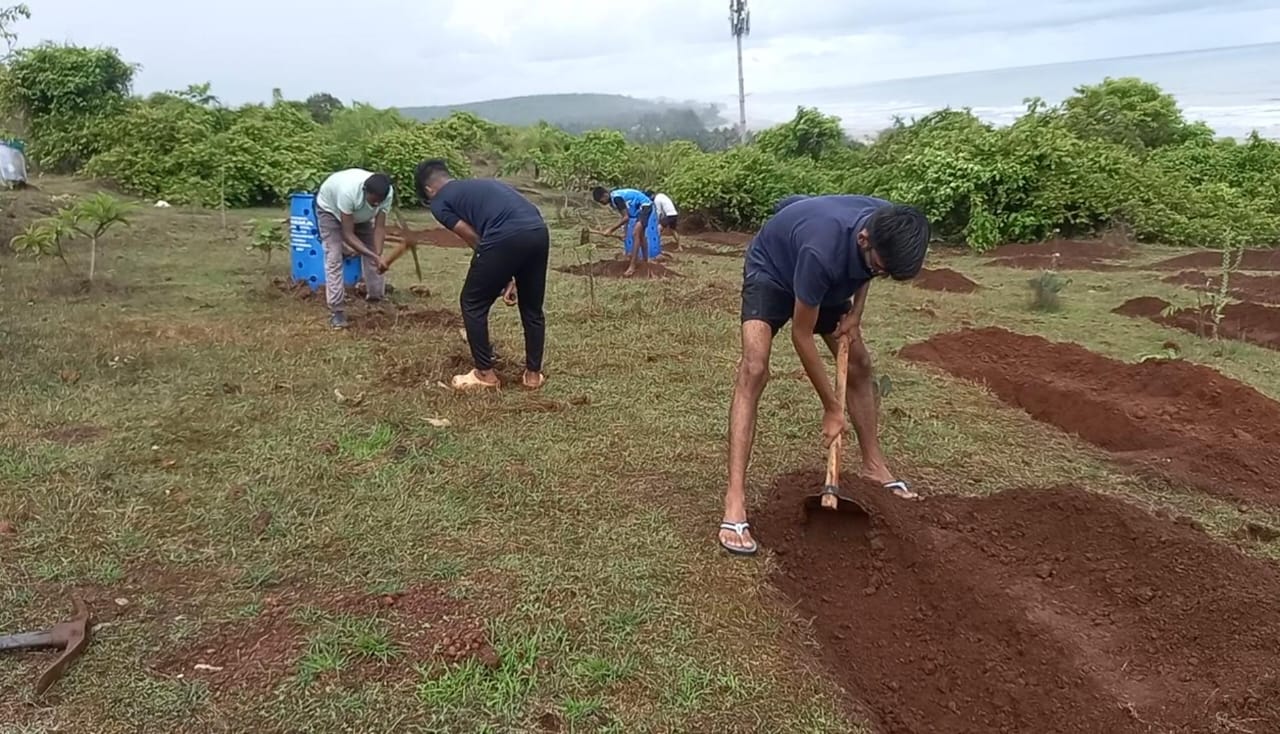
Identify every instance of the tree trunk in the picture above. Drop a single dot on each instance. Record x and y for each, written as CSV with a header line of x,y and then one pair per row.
x,y
93,256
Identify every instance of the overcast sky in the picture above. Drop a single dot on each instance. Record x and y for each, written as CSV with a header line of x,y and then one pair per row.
x,y
402,52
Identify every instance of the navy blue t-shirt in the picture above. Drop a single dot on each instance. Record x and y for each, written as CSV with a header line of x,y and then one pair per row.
x,y
492,208
787,201
810,248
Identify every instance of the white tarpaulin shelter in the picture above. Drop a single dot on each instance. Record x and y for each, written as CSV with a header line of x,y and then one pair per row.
x,y
13,165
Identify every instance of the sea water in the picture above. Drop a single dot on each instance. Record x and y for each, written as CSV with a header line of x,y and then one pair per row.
x,y
1234,90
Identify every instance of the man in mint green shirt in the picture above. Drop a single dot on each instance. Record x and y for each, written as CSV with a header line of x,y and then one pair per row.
x,y
351,209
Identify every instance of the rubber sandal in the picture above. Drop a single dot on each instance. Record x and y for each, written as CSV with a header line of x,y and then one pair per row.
x,y
542,380
739,528
470,381
901,490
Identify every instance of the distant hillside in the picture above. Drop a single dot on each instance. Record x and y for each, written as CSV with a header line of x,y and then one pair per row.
x,y
577,111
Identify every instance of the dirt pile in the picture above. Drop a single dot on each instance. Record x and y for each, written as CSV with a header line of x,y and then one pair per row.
x,y
432,237
731,239
1052,610
944,279
402,316
1181,419
420,626
1246,287
1211,259
617,268
1061,255
1246,322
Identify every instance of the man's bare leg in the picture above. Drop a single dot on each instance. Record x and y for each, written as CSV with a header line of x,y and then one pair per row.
x,y
752,376
635,252
860,400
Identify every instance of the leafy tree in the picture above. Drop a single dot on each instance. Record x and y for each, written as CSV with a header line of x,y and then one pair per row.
x,y
69,95
8,18
810,134
322,106
94,217
398,152
1129,112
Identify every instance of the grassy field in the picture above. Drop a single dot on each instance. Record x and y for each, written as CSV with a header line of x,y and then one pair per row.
x,y
191,449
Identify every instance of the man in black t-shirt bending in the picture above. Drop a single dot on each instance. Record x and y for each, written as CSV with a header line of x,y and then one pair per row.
x,y
510,242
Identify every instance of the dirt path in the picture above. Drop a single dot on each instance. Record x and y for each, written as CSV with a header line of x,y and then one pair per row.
x,y
1052,610
1061,255
1181,419
1246,322
616,268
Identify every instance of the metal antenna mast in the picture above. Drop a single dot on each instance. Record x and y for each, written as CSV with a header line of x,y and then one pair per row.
x,y
740,25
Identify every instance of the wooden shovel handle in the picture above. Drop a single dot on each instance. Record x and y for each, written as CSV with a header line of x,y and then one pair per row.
x,y
842,380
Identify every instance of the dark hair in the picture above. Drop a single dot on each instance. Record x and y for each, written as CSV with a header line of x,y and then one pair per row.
x,y
427,170
379,184
600,194
650,193
901,235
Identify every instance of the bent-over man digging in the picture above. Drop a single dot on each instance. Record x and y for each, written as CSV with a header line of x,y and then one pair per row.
x,y
812,265
636,209
510,244
351,209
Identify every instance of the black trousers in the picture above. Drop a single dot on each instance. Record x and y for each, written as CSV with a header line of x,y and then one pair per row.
x,y
522,256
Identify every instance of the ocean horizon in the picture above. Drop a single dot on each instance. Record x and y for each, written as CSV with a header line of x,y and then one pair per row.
x,y
1234,90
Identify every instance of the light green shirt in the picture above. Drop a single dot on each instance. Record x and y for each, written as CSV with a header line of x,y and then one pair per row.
x,y
343,193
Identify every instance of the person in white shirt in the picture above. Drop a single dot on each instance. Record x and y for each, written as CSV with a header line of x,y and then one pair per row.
x,y
351,209
668,217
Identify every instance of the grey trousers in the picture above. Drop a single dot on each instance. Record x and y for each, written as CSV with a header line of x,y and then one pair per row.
x,y
375,283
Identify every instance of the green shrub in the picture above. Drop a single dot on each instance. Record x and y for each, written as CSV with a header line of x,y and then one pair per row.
x,y
398,152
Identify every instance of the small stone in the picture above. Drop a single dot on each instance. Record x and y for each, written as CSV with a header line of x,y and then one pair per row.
x,y
121,601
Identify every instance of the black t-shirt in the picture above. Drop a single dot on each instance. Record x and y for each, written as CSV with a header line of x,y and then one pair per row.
x,y
492,208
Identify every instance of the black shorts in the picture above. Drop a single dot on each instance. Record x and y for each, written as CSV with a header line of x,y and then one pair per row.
x,y
643,214
764,301
669,222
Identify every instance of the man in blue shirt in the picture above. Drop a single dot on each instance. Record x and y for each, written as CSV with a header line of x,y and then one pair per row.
x,y
510,242
811,264
636,209
787,201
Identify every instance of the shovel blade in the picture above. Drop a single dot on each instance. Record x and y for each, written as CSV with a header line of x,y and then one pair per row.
x,y
831,499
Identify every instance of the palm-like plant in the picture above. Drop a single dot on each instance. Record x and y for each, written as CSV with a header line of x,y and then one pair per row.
x,y
43,238
94,217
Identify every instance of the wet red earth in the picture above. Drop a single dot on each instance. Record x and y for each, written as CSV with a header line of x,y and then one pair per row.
x,y
1246,322
1212,259
1062,255
1034,610
618,269
943,279
1246,287
1182,420
423,625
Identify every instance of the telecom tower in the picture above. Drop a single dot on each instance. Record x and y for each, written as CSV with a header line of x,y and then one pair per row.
x,y
740,25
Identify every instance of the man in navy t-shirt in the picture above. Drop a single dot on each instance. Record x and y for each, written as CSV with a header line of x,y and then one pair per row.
x,y
811,265
510,243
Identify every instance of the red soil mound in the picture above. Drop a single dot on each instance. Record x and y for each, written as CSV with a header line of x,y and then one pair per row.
x,y
616,268
1052,610
1253,260
1256,288
1182,419
433,237
1246,322
1063,261
944,279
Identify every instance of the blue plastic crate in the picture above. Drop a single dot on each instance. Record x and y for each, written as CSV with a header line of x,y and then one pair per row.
x,y
306,249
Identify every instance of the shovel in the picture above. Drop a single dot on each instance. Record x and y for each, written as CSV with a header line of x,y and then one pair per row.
x,y
830,498
413,249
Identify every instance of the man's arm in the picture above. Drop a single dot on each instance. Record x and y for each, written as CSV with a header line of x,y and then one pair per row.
x,y
467,233
803,321
379,232
621,223
349,237
850,326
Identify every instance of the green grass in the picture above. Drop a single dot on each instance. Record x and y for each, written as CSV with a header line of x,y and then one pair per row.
x,y
579,522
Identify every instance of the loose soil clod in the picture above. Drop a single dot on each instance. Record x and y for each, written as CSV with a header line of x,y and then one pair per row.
x,y
1247,322
616,268
944,279
1180,419
1036,610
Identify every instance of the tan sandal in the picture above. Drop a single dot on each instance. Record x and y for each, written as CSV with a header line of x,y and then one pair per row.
x,y
472,381
542,380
